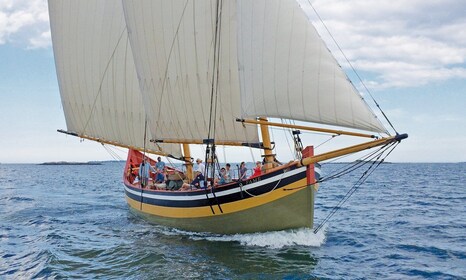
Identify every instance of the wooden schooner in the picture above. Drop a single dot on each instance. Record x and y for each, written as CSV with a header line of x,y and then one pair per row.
x,y
158,76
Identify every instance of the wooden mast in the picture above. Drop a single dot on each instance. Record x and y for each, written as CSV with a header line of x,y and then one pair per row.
x,y
268,155
188,163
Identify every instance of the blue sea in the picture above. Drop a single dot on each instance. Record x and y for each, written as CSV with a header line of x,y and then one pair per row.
x,y
408,221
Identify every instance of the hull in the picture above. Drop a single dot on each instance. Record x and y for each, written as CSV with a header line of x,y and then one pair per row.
x,y
281,199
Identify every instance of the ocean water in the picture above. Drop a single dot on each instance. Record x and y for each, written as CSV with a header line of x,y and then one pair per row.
x,y
408,221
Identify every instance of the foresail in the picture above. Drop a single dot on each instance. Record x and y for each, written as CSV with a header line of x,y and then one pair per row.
x,y
173,43
96,73
286,70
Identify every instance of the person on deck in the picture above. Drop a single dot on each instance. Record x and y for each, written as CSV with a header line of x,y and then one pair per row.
x,y
222,177
160,176
144,169
200,167
160,165
228,173
257,171
160,169
242,171
197,183
132,172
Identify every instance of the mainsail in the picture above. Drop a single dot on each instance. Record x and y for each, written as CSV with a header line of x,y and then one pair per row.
x,y
96,73
174,45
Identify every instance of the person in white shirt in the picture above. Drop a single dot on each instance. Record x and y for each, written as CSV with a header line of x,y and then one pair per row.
x,y
228,173
200,167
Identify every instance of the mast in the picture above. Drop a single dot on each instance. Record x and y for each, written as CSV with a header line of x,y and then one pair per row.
x,y
268,155
187,160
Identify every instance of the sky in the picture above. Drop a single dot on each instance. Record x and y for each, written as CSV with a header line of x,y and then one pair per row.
x,y
411,55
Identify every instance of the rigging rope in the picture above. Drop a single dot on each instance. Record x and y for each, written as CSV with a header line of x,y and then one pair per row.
x,y
112,153
210,148
285,132
331,138
263,194
358,163
215,74
145,131
358,183
352,68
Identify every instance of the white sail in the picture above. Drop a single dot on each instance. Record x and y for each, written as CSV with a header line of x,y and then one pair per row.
x,y
286,71
173,43
96,73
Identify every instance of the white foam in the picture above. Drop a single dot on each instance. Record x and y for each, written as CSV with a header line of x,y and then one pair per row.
x,y
273,240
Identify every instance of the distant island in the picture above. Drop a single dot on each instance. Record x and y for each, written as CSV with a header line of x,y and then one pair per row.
x,y
357,161
372,161
71,163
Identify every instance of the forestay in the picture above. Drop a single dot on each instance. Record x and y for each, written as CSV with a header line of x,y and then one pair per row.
x,y
96,73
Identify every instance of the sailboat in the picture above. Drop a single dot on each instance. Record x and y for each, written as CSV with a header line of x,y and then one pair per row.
x,y
160,76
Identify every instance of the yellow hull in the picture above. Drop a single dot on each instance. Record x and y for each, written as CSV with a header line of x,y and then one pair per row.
x,y
292,209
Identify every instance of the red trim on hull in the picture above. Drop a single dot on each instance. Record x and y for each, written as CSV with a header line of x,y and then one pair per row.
x,y
310,174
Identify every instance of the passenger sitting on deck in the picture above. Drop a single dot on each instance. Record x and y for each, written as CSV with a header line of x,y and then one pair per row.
x,y
160,176
221,179
198,182
257,170
159,182
242,171
132,172
228,173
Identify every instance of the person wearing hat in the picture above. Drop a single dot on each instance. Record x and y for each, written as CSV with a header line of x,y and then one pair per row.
x,y
199,178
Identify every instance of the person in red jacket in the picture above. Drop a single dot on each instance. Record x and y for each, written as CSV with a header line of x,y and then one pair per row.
x,y
257,171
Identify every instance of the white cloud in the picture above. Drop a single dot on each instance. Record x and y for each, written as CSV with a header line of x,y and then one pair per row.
x,y
25,23
43,40
399,43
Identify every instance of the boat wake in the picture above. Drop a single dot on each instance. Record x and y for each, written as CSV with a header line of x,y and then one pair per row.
x,y
272,240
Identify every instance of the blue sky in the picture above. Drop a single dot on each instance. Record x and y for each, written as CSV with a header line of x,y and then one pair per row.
x,y
412,56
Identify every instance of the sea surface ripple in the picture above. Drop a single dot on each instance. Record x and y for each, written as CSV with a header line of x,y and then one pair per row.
x,y
408,221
